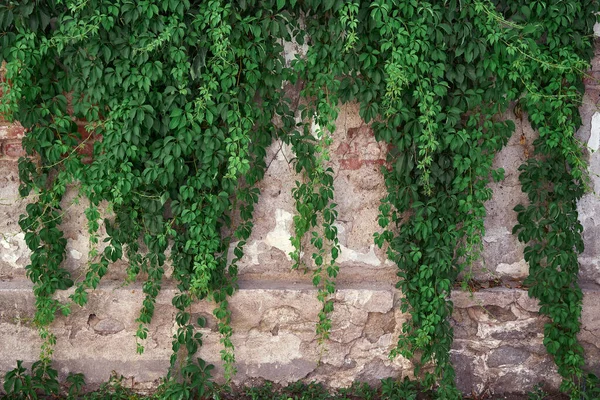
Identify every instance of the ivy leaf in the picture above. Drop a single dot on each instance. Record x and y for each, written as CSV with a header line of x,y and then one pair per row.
x,y
498,174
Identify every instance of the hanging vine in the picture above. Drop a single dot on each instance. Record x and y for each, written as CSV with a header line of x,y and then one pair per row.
x,y
556,177
183,98
444,109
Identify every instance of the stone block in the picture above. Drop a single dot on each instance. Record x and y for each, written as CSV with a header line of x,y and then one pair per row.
x,y
507,355
11,131
13,149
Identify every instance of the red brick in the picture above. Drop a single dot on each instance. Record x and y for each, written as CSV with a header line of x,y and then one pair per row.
x,y
88,139
82,131
86,150
342,149
374,162
350,164
11,131
364,130
13,149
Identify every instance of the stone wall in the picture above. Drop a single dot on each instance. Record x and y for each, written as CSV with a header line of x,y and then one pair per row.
x,y
498,333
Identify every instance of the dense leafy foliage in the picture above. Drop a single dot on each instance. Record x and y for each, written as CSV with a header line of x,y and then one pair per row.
x,y
20,385
182,99
43,380
555,178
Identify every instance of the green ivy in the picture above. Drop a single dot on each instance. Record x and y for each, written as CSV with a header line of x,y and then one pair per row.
x,y
182,98
555,178
444,122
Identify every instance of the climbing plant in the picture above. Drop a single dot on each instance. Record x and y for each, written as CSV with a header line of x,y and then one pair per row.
x,y
182,98
555,177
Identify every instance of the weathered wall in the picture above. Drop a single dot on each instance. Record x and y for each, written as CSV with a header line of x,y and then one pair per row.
x,y
498,333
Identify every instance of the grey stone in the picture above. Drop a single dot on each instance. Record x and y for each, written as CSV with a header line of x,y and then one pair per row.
x,y
523,379
592,357
375,373
514,335
279,372
499,313
463,366
108,326
464,326
507,355
379,324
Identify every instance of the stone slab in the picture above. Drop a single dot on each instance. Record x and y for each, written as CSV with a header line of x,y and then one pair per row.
x,y
498,336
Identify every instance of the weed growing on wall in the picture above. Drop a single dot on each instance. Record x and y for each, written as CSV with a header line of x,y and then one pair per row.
x,y
182,99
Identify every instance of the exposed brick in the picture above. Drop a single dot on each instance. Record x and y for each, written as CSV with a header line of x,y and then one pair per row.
x,y
360,149
11,131
351,163
82,131
87,149
342,149
374,162
88,139
13,149
364,130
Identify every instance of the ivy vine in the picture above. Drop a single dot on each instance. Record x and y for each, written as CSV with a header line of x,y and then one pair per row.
x,y
182,98
556,177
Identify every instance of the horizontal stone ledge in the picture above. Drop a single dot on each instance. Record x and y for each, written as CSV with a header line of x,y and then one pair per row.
x,y
499,296
345,293
498,335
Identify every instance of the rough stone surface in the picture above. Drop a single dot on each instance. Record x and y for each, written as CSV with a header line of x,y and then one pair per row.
x,y
357,193
498,336
108,327
274,334
507,355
